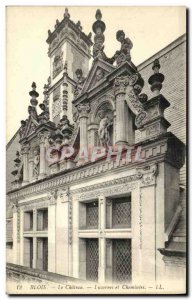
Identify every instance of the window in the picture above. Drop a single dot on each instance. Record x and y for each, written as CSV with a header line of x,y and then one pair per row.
x,y
28,221
118,212
121,213
42,219
92,215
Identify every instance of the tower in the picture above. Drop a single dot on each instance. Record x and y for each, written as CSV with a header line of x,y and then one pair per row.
x,y
67,43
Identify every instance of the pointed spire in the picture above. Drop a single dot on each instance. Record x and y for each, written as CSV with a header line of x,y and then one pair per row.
x,y
156,79
34,95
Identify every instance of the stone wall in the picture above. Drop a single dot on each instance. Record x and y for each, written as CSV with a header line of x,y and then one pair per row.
x,y
173,65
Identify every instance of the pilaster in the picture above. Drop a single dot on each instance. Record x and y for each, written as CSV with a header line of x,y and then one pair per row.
x,y
147,222
102,240
25,154
15,229
52,231
64,233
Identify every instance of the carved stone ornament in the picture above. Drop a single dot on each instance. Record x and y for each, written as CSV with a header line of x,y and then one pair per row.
x,y
131,86
147,174
99,74
36,161
52,197
120,85
15,208
25,149
83,109
63,194
57,64
126,45
103,131
135,106
80,81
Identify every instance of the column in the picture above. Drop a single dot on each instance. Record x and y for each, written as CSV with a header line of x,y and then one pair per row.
x,y
83,109
120,85
25,154
52,231
42,168
102,240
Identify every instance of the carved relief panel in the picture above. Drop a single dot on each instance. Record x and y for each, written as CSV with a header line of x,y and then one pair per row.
x,y
56,108
57,63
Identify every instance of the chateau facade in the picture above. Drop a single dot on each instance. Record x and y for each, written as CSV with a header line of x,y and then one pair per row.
x,y
98,188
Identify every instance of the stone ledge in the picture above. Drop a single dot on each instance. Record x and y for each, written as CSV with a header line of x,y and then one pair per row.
x,y
39,274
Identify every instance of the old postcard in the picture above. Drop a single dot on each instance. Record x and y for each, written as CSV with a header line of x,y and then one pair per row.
x,y
96,135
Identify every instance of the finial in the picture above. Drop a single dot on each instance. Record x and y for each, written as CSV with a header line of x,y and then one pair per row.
x,y
98,15
156,66
49,32
156,79
57,23
33,94
66,14
99,38
78,24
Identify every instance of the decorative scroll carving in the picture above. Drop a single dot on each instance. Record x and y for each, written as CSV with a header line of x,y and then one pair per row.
x,y
135,106
114,187
147,174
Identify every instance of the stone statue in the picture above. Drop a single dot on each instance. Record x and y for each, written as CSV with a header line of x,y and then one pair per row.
x,y
126,45
103,131
22,128
36,161
44,116
80,82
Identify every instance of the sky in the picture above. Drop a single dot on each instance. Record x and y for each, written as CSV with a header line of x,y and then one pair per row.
x,y
149,28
